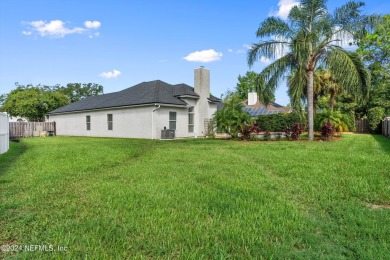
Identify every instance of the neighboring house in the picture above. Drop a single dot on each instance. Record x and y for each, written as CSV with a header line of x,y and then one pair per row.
x,y
255,108
141,111
16,119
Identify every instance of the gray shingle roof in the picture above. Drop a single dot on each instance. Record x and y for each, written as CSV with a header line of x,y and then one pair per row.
x,y
144,93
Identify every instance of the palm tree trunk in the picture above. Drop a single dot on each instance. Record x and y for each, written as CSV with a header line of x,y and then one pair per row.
x,y
310,108
331,100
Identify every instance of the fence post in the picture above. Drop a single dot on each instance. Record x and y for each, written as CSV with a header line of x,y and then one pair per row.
x,y
386,126
4,133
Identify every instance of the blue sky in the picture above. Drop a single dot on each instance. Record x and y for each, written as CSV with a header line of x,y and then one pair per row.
x,y
121,43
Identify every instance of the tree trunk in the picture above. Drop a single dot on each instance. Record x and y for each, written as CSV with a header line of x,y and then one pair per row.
x,y
331,100
310,108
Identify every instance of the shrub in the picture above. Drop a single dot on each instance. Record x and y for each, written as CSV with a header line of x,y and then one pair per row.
x,y
287,133
248,129
296,131
327,131
293,133
375,116
351,121
231,118
336,118
279,122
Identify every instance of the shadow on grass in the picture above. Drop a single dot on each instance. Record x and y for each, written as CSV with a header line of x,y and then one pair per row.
x,y
8,159
384,142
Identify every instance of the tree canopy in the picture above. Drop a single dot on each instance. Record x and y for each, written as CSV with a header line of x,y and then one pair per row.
x,y
78,91
375,49
312,37
34,102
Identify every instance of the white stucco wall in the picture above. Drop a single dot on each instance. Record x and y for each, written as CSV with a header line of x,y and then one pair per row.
x,y
162,120
128,122
135,122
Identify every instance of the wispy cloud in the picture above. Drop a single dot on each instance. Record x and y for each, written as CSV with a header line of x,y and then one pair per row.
x,y
247,46
92,24
284,8
265,60
204,56
58,28
244,49
110,74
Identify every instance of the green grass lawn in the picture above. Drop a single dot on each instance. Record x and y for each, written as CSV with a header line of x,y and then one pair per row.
x,y
117,198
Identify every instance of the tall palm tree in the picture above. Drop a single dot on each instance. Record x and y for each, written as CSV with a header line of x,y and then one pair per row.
x,y
312,37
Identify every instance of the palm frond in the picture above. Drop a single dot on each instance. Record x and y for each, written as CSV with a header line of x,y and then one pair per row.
x,y
350,71
274,26
347,13
274,73
296,82
269,49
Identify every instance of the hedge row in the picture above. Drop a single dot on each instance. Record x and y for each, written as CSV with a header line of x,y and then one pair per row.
x,y
279,122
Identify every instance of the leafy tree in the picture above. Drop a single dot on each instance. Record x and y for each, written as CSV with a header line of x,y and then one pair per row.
x,y
32,102
375,49
78,91
252,82
375,115
312,37
232,117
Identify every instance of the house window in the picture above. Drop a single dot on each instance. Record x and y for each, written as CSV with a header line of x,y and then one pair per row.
x,y
191,120
109,121
172,120
88,121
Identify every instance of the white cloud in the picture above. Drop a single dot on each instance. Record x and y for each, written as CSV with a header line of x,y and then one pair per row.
x,y
265,60
92,24
110,74
230,50
244,48
204,56
284,8
94,35
58,28
55,28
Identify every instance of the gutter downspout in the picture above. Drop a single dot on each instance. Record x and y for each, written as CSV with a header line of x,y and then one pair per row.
x,y
153,119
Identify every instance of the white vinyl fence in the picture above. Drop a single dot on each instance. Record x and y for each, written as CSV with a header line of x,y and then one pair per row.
x,y
4,133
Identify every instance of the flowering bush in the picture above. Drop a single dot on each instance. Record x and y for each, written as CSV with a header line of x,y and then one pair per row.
x,y
327,131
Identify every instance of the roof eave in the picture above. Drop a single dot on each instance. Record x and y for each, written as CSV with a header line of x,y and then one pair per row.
x,y
118,107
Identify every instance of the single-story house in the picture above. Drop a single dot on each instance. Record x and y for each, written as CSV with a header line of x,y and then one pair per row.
x,y
141,111
255,108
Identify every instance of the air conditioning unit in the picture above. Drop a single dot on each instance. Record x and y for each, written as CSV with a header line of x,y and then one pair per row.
x,y
167,134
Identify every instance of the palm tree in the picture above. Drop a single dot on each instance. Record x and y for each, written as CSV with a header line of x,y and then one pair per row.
x,y
325,83
312,37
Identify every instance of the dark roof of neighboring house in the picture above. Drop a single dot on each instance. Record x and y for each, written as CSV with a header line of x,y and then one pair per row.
x,y
144,93
260,109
